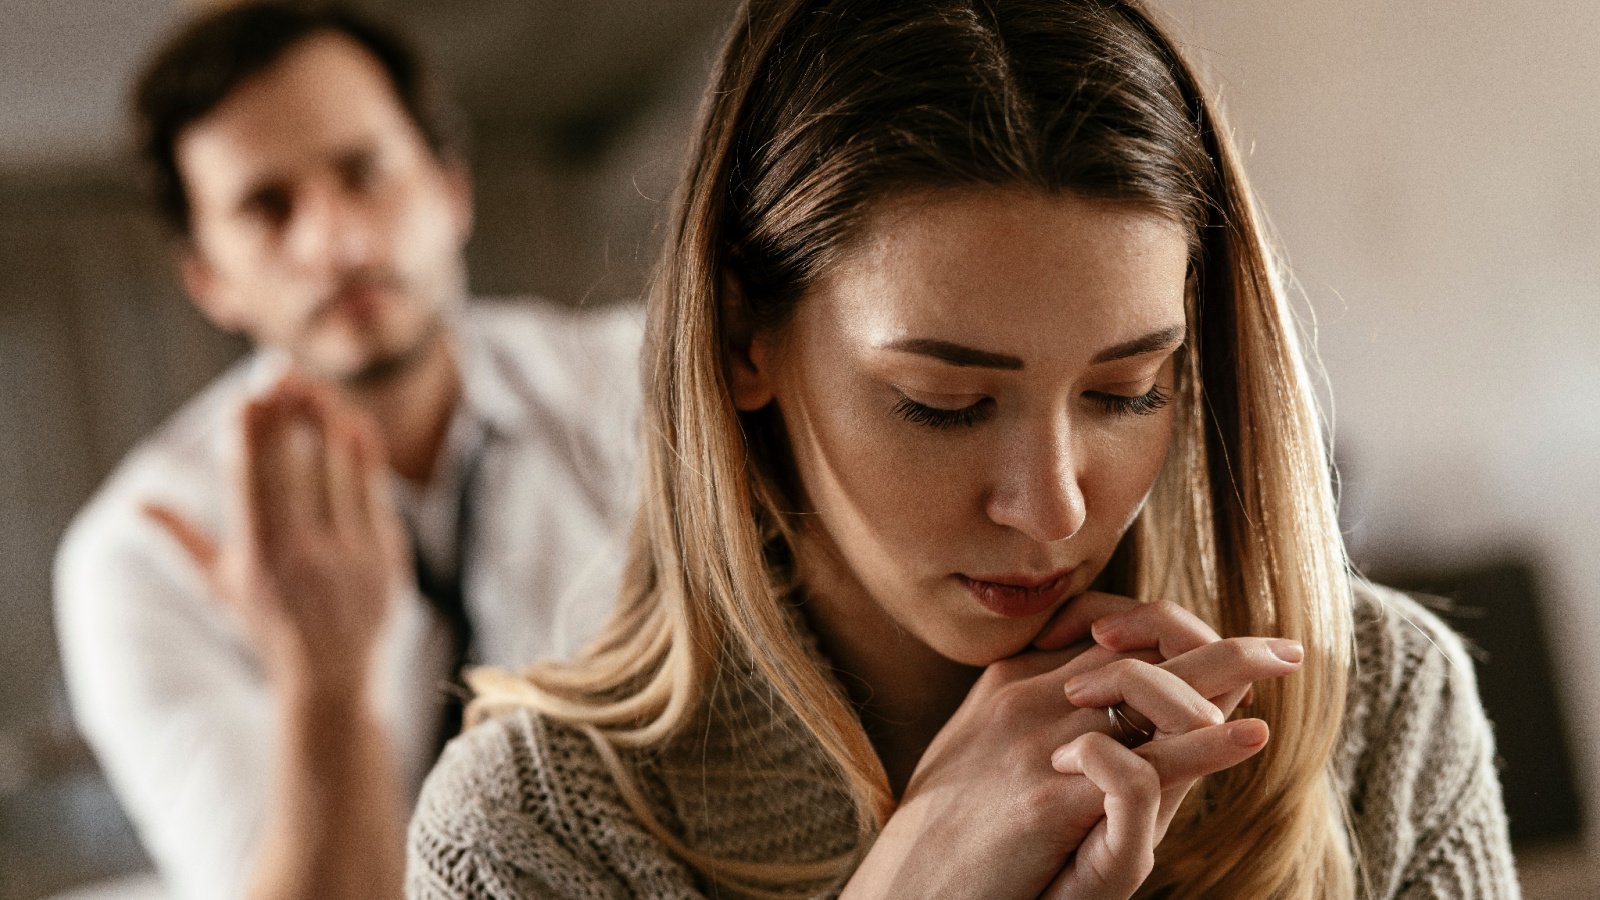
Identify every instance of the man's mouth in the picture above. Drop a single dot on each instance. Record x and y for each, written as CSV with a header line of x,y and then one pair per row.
x,y
360,301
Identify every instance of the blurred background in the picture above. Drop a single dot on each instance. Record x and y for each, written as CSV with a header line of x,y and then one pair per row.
x,y
1432,170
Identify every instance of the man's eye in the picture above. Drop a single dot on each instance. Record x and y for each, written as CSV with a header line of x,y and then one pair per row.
x,y
271,206
359,171
935,417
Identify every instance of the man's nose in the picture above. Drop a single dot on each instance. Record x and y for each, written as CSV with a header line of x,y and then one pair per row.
x,y
332,230
1038,491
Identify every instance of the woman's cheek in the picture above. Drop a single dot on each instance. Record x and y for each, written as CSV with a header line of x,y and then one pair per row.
x,y
1125,468
907,480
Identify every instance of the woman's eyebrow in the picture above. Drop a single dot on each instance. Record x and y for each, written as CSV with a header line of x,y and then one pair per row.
x,y
954,354
962,355
1166,339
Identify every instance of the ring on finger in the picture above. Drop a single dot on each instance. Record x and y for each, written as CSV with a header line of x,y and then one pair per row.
x,y
1124,731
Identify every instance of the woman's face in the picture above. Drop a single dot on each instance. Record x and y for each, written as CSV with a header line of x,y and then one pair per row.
x,y
976,399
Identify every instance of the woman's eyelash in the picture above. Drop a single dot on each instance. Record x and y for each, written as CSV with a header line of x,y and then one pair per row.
x,y
1148,403
921,414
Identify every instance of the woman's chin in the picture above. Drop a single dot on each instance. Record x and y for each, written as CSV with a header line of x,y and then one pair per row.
x,y
980,647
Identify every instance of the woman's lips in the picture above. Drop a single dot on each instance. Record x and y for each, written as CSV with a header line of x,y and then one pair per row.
x,y
1018,597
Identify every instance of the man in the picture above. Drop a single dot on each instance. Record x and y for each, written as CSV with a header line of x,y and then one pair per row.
x,y
263,609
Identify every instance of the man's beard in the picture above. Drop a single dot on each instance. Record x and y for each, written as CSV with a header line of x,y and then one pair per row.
x,y
392,366
388,365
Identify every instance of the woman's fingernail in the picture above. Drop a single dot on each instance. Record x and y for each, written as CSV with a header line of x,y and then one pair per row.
x,y
1058,759
1287,650
1248,732
1074,686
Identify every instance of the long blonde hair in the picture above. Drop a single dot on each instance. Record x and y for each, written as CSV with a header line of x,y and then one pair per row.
x,y
819,108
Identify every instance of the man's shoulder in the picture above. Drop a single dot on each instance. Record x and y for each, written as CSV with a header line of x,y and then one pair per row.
x,y
572,367
180,464
542,337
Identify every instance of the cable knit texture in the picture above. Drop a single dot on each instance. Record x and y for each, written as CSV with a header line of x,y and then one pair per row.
x,y
524,807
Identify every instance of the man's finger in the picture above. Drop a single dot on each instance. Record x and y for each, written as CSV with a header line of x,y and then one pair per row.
x,y
202,549
196,544
380,517
279,490
343,483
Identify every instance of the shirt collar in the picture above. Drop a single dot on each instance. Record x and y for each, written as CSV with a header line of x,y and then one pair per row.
x,y
487,391
486,380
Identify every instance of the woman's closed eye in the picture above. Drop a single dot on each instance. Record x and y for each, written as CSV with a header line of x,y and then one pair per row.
x,y
1148,403
935,415
950,415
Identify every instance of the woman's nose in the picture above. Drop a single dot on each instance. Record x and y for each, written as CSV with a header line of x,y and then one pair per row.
x,y
1037,491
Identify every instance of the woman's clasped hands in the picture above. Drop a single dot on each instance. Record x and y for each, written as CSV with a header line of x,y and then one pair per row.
x,y
1032,790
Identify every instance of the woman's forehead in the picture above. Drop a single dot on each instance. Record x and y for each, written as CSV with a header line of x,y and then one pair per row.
x,y
1015,267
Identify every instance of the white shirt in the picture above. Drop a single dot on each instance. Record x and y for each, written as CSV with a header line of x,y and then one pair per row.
x,y
163,682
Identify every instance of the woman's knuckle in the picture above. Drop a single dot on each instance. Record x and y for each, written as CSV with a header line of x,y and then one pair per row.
x,y
1237,652
1205,714
1126,667
1010,703
1096,744
1039,803
1165,609
1143,784
1003,671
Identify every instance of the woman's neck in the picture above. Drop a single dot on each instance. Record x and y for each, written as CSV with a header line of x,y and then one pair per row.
x,y
903,690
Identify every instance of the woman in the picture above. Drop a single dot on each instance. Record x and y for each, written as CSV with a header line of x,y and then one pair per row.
x,y
974,417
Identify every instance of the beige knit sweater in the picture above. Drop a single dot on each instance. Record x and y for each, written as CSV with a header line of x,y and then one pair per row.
x,y
523,807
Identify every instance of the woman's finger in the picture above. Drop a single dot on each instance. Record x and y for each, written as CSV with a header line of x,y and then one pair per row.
x,y
1160,696
1162,625
1097,656
1206,751
1033,663
1186,757
1225,666
1118,853
1072,623
1175,763
1231,702
1217,673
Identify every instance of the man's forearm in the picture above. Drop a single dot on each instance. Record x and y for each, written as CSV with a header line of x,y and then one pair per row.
x,y
336,826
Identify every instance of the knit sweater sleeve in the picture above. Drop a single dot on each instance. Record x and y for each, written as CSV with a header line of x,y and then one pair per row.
x,y
1425,799
521,807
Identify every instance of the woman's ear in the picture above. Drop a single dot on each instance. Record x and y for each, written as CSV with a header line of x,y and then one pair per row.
x,y
749,353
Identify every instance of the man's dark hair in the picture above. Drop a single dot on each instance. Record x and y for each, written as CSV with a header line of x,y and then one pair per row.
x,y
215,53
